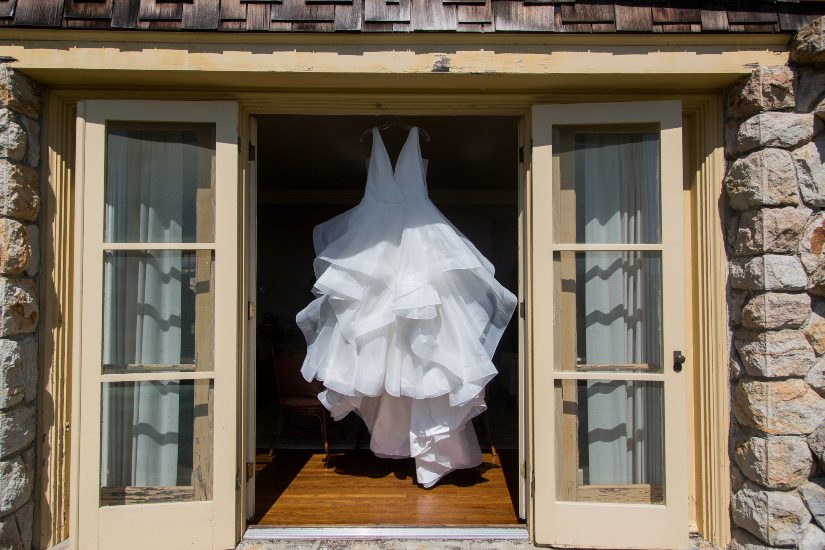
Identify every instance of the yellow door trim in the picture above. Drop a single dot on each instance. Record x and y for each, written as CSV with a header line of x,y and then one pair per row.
x,y
703,118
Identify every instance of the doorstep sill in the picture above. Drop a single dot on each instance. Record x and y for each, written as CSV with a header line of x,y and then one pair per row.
x,y
344,532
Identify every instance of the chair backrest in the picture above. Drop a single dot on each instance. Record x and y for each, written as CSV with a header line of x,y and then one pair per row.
x,y
288,378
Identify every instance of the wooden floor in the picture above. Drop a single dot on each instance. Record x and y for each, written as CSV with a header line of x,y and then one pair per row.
x,y
294,488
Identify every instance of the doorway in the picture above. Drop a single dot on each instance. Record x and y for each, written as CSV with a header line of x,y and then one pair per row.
x,y
309,169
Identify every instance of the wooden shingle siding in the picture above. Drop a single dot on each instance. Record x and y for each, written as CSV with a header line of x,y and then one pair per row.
x,y
755,14
7,8
151,10
670,16
125,14
258,17
714,19
39,13
233,10
201,14
514,15
595,12
677,28
754,27
434,16
634,18
299,11
794,16
349,17
381,11
78,9
476,13
548,16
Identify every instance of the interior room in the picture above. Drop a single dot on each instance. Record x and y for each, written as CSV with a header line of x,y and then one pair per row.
x,y
311,470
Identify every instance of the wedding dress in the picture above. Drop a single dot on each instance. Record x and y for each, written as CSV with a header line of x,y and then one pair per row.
x,y
406,319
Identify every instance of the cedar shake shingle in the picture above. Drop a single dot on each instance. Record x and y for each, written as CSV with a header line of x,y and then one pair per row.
x,y
549,16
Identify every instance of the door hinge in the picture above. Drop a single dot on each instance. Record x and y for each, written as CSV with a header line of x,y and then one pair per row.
x,y
522,309
251,153
532,477
250,310
250,470
521,151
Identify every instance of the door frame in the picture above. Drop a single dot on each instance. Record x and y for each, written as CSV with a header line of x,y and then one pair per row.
x,y
249,139
704,169
250,261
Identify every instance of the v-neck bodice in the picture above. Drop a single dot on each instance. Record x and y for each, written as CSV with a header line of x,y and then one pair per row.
x,y
405,181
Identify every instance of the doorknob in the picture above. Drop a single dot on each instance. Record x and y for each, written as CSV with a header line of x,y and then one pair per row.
x,y
678,360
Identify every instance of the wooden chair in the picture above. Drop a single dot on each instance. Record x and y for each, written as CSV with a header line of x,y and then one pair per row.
x,y
296,396
485,422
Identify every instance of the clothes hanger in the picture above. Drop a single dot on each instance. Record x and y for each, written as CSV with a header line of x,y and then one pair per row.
x,y
394,120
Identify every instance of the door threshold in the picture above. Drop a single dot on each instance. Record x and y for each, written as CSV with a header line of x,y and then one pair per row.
x,y
345,532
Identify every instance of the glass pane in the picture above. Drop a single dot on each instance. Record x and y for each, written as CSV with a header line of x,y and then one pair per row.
x,y
608,311
611,441
156,441
158,311
160,183
607,185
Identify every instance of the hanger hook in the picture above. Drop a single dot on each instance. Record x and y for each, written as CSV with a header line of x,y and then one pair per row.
x,y
394,120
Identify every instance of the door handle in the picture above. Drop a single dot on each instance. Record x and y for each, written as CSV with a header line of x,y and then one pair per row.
x,y
678,361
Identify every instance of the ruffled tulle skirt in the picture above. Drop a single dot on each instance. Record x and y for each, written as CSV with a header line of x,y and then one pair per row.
x,y
406,320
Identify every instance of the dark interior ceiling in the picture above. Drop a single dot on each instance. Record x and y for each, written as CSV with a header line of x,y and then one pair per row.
x,y
319,159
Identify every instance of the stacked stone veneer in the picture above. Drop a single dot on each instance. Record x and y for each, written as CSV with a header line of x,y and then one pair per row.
x,y
775,145
19,209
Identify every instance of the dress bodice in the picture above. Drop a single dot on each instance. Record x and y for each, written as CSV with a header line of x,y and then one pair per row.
x,y
406,181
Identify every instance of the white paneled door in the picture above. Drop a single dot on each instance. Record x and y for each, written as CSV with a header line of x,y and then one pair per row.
x,y
609,366
158,250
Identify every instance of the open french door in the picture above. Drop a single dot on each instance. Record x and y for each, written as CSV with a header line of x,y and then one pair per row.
x,y
158,204
610,454
251,263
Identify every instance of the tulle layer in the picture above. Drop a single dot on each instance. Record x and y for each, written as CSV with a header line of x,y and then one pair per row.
x,y
406,319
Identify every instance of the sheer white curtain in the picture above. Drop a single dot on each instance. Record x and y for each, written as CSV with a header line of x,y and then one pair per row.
x,y
141,434
618,202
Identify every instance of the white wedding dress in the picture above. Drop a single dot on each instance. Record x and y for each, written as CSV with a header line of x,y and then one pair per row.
x,y
406,319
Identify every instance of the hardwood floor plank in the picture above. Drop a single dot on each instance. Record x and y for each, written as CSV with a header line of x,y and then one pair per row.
x,y
295,488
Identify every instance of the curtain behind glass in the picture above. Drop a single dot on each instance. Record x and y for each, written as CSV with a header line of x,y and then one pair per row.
x,y
618,202
147,176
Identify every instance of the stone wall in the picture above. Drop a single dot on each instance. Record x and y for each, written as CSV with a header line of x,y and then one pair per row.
x,y
19,254
775,182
